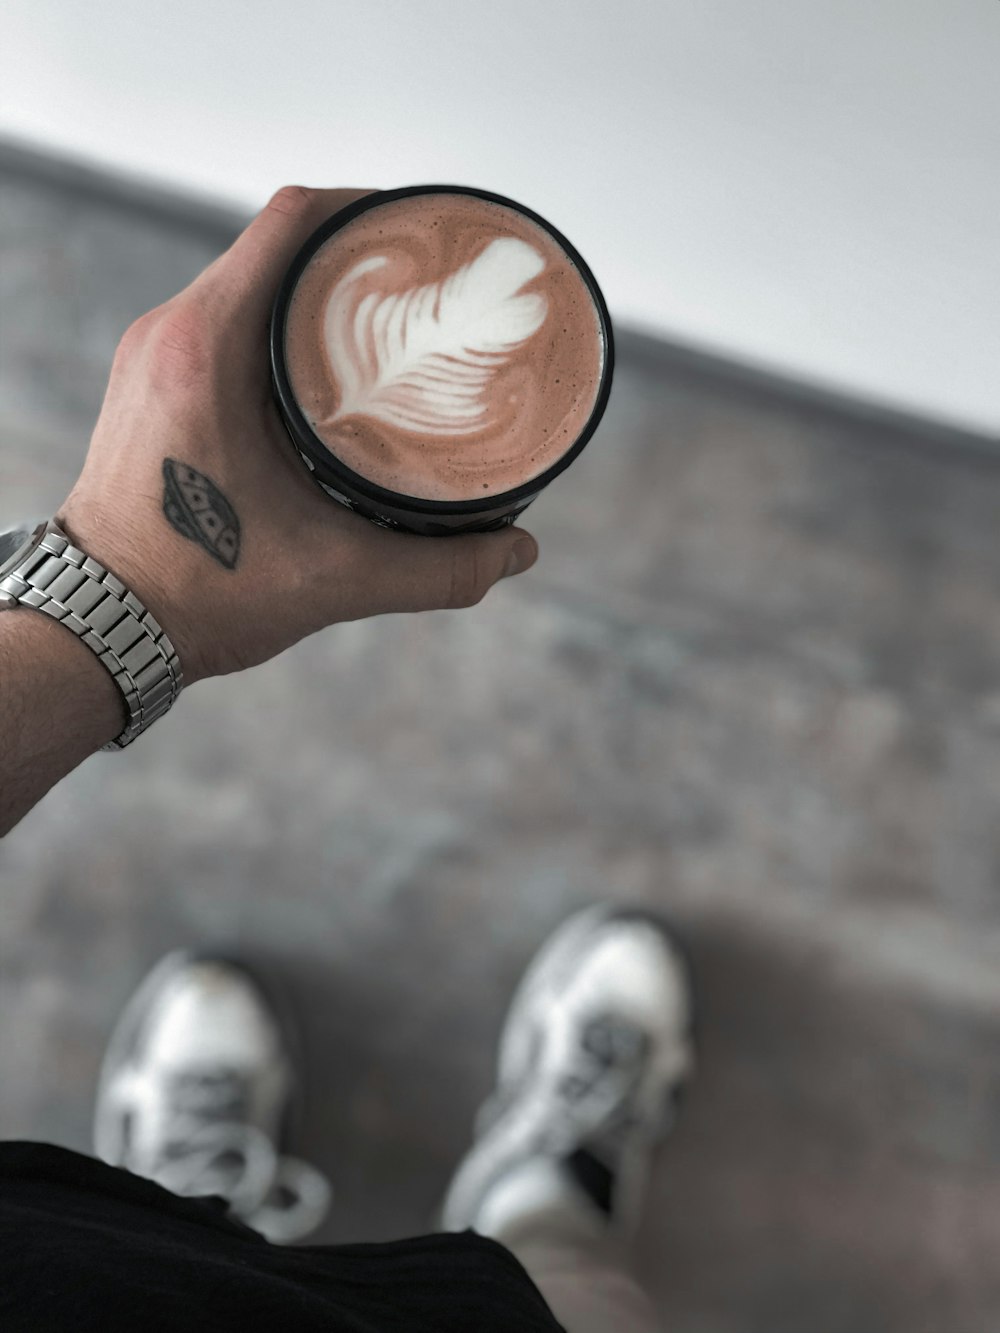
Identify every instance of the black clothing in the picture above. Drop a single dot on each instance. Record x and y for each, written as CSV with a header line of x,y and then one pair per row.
x,y
85,1246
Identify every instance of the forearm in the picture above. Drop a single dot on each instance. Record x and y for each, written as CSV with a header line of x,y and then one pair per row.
x,y
58,705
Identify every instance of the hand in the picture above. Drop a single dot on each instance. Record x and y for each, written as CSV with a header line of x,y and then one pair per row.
x,y
191,383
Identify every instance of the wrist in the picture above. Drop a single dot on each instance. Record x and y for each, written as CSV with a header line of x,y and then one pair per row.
x,y
143,568
58,706
80,708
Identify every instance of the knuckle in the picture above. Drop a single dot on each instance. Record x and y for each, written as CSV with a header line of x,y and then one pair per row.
x,y
134,337
291,200
180,344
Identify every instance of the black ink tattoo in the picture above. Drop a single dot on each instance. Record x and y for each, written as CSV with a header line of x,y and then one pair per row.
x,y
196,507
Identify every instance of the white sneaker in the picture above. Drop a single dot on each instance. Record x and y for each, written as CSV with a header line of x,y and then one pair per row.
x,y
597,1046
196,1092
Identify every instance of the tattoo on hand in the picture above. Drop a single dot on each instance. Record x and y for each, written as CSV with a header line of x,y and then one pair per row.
x,y
196,507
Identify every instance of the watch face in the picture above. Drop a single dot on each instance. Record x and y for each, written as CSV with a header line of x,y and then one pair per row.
x,y
15,544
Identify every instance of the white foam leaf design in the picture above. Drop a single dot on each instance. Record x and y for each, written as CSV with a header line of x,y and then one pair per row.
x,y
422,359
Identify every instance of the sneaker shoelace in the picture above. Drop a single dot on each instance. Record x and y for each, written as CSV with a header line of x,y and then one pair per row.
x,y
596,1103
209,1147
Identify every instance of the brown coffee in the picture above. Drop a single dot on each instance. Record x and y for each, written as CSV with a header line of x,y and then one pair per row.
x,y
444,346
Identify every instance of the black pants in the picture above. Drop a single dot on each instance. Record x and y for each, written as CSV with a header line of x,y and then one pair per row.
x,y
85,1246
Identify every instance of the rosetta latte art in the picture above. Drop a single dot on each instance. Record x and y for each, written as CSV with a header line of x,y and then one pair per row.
x,y
422,360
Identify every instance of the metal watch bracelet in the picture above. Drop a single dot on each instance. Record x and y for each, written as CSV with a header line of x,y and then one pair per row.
x,y
65,583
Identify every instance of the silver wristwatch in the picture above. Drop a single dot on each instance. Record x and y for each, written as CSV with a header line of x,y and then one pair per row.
x,y
44,570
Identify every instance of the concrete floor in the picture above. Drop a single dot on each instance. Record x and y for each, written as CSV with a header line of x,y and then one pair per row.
x,y
754,680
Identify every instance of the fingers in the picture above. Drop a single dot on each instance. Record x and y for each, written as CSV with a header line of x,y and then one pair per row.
x,y
425,574
248,274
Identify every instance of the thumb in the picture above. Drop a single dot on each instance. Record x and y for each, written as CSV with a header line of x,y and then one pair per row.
x,y
479,560
445,572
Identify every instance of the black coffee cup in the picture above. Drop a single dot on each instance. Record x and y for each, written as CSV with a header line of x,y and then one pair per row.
x,y
392,509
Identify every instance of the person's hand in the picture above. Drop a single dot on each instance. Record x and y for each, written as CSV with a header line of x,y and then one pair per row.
x,y
191,383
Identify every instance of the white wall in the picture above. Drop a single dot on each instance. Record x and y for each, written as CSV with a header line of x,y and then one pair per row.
x,y
811,185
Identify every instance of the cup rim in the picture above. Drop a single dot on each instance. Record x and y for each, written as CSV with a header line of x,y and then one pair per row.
x,y
310,443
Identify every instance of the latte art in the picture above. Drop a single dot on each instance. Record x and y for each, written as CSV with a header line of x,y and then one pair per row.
x,y
421,359
444,346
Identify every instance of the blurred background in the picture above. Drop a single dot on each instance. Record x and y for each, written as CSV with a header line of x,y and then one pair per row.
x,y
811,188
754,679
